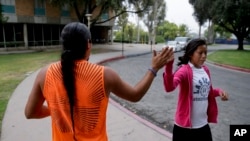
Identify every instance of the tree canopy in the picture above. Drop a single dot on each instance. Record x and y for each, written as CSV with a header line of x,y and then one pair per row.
x,y
170,30
155,15
83,7
232,15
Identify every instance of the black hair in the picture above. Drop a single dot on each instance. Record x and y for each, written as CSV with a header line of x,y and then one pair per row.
x,y
75,37
190,48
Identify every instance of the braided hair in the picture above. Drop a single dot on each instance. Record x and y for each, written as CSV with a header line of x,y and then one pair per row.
x,y
75,37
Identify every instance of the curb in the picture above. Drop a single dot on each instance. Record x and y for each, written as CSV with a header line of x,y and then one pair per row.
x,y
140,119
111,59
230,67
121,57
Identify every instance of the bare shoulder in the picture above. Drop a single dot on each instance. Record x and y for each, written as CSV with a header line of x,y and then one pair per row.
x,y
110,74
41,75
43,71
111,78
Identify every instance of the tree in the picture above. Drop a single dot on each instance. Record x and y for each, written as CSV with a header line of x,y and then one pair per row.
x,y
201,11
130,32
168,30
222,33
127,33
137,7
122,22
144,36
183,30
236,22
83,7
232,15
154,16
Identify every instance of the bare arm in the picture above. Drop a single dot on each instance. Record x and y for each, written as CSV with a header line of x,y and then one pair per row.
x,y
35,107
122,89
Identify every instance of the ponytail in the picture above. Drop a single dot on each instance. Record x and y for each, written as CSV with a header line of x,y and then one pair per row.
x,y
68,66
75,37
183,60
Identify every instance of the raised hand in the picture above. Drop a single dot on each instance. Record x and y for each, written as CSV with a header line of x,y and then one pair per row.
x,y
161,58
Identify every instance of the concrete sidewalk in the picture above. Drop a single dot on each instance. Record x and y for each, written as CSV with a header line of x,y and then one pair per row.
x,y
122,125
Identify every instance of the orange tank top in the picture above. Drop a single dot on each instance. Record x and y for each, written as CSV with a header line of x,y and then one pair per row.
x,y
90,103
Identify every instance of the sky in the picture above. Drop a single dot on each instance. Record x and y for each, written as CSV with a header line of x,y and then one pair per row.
x,y
178,12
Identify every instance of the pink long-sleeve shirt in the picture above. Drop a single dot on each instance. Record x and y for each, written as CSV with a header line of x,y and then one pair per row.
x,y
184,77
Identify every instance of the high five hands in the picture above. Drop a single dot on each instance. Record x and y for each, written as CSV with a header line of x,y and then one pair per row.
x,y
161,58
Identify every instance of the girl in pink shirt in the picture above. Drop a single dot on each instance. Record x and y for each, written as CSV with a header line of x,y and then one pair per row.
x,y
196,103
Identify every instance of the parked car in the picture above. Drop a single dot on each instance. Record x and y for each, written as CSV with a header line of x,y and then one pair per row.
x,y
182,41
175,45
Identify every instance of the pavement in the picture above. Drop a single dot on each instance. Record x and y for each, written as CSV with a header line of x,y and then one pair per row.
x,y
122,125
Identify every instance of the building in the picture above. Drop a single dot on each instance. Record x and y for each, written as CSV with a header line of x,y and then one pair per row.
x,y
38,23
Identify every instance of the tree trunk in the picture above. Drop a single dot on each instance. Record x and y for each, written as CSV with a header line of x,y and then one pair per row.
x,y
138,30
149,38
210,35
240,42
150,34
79,16
199,31
153,33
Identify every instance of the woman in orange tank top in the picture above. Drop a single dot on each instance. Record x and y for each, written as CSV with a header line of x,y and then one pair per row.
x,y
77,91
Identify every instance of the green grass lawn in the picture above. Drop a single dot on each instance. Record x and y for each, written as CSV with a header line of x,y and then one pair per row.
x,y
231,57
13,69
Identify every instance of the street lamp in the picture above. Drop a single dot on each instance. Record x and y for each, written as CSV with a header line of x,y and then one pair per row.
x,y
88,17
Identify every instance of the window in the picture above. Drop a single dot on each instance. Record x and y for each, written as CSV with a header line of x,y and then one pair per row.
x,y
39,7
65,11
105,16
8,6
39,4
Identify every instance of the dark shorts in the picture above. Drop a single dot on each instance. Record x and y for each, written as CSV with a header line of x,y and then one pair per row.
x,y
186,134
